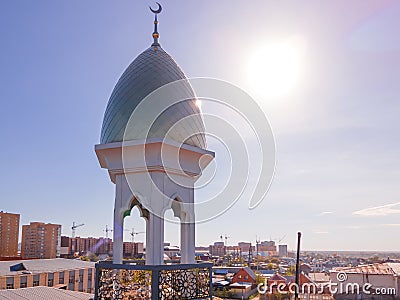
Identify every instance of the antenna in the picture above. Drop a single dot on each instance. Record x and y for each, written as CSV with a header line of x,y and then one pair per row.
x,y
257,242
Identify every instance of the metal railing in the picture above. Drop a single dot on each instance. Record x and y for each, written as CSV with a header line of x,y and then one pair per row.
x,y
147,282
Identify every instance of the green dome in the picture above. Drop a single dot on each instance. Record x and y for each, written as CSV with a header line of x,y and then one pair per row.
x,y
151,70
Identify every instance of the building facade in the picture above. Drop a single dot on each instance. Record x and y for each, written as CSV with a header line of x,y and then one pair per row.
x,y
9,230
282,251
40,240
74,275
218,249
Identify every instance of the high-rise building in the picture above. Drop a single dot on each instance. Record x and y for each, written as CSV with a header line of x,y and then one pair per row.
x,y
40,240
9,230
218,249
282,250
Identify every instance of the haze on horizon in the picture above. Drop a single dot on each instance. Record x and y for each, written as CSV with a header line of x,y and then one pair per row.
x,y
333,107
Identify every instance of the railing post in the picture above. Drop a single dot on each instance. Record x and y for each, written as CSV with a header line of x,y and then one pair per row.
x,y
210,269
96,281
155,284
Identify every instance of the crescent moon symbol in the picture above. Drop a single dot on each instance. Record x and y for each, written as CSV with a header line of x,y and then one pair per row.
x,y
158,10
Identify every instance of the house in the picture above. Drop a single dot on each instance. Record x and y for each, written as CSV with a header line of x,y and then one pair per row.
x,y
382,277
244,275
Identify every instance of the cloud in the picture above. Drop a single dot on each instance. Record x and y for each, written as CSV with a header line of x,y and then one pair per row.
x,y
320,232
355,227
384,210
324,213
391,225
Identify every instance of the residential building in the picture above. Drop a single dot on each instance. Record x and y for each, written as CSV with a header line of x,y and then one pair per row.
x,y
40,240
44,293
133,250
244,275
244,247
77,246
382,276
283,250
70,274
218,249
268,243
9,230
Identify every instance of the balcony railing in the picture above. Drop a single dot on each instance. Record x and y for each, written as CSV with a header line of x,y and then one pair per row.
x,y
145,282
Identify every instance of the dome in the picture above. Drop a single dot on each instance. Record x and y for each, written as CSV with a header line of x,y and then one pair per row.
x,y
151,70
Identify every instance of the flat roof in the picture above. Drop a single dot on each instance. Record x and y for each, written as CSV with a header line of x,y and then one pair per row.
x,y
44,265
43,293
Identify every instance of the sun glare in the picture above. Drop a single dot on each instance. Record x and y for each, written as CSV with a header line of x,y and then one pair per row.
x,y
276,68
198,103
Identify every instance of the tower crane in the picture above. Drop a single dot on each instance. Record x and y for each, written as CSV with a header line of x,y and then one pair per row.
x,y
107,230
133,233
226,239
74,227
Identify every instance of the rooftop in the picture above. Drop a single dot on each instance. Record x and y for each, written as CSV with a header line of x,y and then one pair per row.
x,y
43,293
44,265
377,269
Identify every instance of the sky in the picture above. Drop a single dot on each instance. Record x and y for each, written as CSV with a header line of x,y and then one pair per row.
x,y
335,121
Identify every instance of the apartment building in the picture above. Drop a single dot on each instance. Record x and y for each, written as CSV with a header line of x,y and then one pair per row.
x,y
40,240
9,230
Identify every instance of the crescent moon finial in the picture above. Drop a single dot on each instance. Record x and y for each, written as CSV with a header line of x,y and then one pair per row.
x,y
156,11
156,35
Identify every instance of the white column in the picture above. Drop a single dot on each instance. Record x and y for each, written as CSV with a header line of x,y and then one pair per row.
x,y
155,240
149,257
118,235
188,250
123,196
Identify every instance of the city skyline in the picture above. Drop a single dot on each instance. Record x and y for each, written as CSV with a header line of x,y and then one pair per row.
x,y
335,124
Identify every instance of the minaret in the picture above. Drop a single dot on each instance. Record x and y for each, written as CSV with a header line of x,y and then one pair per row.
x,y
150,169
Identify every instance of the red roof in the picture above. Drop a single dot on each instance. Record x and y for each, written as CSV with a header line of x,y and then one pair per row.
x,y
277,277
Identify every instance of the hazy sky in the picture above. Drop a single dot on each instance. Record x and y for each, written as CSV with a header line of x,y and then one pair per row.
x,y
336,129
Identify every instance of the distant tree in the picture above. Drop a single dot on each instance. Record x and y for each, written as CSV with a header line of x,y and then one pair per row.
x,y
291,271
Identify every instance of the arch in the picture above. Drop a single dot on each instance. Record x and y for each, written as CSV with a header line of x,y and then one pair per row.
x,y
144,213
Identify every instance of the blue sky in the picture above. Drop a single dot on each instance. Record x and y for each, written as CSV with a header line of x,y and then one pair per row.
x,y
337,131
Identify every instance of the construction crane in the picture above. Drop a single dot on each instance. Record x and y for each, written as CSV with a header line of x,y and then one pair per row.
x,y
107,230
224,237
74,227
281,239
133,233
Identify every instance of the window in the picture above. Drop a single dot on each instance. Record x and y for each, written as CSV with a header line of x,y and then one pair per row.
x,y
36,283
22,285
72,277
10,283
50,282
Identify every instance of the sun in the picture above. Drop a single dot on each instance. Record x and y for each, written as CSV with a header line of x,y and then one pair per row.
x,y
276,68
